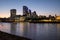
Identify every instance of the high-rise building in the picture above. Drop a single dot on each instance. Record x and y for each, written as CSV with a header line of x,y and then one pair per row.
x,y
25,10
34,14
13,13
29,11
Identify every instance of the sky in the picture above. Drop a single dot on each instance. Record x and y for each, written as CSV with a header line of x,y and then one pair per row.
x,y
42,7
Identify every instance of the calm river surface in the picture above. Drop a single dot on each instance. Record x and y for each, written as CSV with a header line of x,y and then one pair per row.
x,y
34,31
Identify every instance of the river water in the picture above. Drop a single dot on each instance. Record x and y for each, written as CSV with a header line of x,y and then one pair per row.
x,y
34,31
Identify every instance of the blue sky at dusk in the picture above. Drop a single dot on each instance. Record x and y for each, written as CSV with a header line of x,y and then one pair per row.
x,y
42,7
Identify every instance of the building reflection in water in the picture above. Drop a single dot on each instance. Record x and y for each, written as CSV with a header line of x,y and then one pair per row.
x,y
42,31
52,31
5,27
36,31
26,29
58,31
13,28
30,30
23,29
33,30
20,28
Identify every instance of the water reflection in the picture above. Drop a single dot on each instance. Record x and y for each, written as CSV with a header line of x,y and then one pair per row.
x,y
52,32
13,28
58,31
35,31
5,27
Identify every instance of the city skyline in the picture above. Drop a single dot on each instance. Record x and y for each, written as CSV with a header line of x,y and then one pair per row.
x,y
42,7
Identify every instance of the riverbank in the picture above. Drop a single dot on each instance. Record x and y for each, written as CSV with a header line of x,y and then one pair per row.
x,y
44,22
33,21
6,36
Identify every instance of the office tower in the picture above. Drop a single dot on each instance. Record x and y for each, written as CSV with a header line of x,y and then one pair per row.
x,y
13,13
29,11
34,14
25,10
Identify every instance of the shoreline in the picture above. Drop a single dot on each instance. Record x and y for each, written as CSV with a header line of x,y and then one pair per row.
x,y
34,22
44,22
6,36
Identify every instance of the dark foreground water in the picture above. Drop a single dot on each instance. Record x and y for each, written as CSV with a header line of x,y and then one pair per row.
x,y
34,31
